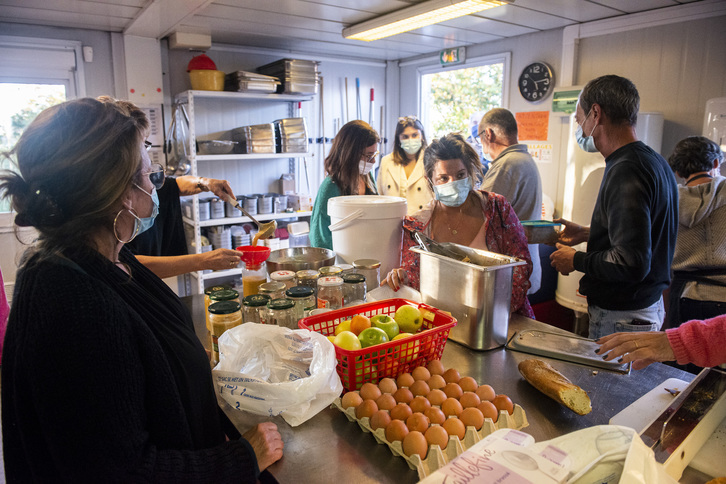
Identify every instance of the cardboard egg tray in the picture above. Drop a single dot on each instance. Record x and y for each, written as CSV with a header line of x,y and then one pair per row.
x,y
436,457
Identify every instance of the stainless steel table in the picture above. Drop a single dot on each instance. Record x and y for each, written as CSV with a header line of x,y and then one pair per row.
x,y
329,448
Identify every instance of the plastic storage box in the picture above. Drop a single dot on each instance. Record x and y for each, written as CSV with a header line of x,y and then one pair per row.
x,y
356,367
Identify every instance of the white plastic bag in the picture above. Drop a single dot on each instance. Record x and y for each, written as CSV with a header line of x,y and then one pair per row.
x,y
270,370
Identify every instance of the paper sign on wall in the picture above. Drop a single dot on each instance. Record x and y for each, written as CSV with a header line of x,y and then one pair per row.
x,y
533,125
541,153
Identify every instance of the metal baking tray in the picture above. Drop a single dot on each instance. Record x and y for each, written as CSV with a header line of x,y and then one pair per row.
x,y
563,347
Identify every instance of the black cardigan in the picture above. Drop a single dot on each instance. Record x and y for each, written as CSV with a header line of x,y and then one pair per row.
x,y
104,380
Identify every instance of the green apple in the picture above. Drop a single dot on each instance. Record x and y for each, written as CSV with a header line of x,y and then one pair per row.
x,y
372,336
409,319
387,324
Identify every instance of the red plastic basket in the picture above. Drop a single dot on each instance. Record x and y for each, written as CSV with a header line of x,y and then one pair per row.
x,y
390,359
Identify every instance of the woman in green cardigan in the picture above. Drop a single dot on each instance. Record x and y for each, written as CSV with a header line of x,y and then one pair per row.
x,y
348,167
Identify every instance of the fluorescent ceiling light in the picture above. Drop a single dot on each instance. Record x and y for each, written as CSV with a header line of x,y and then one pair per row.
x,y
417,16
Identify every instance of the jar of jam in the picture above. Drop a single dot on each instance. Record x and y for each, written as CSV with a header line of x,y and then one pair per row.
x,y
286,277
207,301
304,299
282,313
330,292
223,315
308,278
354,288
252,276
251,307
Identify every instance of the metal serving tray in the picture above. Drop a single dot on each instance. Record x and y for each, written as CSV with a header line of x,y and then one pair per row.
x,y
563,347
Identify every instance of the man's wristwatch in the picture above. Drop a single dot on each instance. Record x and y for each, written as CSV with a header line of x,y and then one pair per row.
x,y
201,185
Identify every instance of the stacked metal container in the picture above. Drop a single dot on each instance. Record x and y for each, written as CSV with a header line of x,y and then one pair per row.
x,y
243,81
292,135
258,138
297,76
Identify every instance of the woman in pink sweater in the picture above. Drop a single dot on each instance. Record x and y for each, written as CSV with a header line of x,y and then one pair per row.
x,y
699,342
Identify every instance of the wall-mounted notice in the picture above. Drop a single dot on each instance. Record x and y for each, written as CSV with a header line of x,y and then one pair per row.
x,y
533,125
542,153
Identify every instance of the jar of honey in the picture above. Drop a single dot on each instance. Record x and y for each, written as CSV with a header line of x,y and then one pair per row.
x,y
207,301
252,277
223,315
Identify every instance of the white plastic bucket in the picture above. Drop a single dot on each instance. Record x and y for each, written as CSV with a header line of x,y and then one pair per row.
x,y
368,227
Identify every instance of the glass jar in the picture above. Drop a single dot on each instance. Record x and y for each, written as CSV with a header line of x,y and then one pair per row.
x,y
282,313
330,292
207,301
346,268
251,307
304,299
274,289
330,271
354,288
252,277
286,277
308,278
223,315
370,268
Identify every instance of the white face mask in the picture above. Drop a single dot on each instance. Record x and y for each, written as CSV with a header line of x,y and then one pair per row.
x,y
587,143
365,166
411,146
454,193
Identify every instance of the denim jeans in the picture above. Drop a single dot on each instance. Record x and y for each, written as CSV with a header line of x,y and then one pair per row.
x,y
606,321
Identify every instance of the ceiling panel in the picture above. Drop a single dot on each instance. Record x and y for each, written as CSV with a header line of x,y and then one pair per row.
x,y
579,11
630,6
514,15
60,18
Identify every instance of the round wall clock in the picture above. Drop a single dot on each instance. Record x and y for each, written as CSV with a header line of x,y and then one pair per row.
x,y
536,82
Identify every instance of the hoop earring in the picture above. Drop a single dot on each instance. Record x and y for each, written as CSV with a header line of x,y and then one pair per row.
x,y
136,225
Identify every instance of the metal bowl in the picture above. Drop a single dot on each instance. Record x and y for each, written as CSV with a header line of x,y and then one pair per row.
x,y
299,258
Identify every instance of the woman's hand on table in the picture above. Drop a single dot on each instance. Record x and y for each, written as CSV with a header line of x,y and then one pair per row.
x,y
642,348
395,279
267,443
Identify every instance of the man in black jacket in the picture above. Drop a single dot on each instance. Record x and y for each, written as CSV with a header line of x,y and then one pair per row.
x,y
632,233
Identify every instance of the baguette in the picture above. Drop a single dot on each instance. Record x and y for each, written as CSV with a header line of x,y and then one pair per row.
x,y
555,385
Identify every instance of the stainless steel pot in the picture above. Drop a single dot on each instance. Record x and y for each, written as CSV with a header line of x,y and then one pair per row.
x,y
299,258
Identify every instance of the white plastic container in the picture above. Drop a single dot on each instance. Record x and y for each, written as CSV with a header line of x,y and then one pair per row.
x,y
368,227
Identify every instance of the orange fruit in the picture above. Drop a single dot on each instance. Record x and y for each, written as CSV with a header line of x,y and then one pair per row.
x,y
359,323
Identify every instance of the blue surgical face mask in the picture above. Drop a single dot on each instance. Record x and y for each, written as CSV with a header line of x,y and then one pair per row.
x,y
454,193
145,223
411,146
587,143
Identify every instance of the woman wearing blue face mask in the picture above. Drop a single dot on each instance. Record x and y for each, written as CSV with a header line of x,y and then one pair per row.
x,y
97,347
462,215
402,171
348,168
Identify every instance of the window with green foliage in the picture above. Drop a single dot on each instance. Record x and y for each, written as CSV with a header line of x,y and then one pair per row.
x,y
19,105
453,99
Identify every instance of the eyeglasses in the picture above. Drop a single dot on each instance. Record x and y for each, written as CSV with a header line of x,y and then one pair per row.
x,y
407,119
156,175
147,145
371,157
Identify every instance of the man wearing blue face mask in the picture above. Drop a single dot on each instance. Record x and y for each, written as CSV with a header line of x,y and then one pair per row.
x,y
632,233
513,174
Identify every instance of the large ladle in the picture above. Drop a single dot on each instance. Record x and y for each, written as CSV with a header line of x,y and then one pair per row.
x,y
265,230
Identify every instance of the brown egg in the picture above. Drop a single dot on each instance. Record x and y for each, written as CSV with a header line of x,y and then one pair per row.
x,y
436,397
370,391
435,415
486,392
380,420
472,417
420,404
451,406
468,384
421,373
388,385
468,399
401,412
404,380
403,395
415,443
366,409
488,409
436,381
396,430
420,387
351,399
503,402
452,375
453,390
417,421
435,367
436,435
454,427
385,402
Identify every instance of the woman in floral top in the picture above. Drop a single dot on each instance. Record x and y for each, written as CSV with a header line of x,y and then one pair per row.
x,y
462,215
